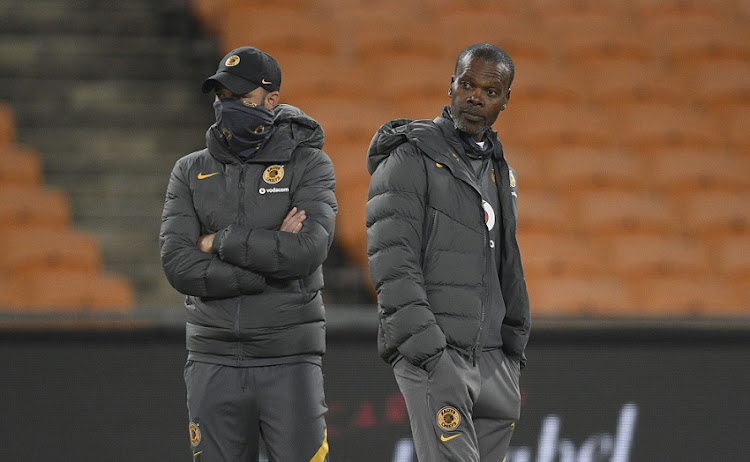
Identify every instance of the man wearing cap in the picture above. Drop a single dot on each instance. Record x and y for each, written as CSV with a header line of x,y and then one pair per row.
x,y
246,226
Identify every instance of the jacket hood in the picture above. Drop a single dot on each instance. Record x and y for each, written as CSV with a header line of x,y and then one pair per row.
x,y
300,127
293,127
423,133
429,136
389,136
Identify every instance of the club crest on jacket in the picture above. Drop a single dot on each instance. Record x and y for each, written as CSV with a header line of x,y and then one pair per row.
x,y
273,174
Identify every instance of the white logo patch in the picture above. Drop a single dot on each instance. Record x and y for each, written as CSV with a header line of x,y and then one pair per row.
x,y
272,190
489,215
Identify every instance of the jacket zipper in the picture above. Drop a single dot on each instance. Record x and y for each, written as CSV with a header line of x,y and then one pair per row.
x,y
240,220
475,348
484,295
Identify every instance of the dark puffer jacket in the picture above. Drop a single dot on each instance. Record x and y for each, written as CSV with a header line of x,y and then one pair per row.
x,y
429,246
258,295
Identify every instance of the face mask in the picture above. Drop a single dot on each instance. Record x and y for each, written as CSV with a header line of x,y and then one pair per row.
x,y
244,126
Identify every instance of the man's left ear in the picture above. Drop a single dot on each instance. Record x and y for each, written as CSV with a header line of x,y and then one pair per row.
x,y
507,98
272,99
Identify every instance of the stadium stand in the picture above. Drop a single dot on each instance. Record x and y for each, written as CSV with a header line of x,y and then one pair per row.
x,y
45,265
34,206
7,125
624,212
582,296
20,166
556,254
580,169
678,170
627,126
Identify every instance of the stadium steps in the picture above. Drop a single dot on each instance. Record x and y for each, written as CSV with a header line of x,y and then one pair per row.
x,y
108,94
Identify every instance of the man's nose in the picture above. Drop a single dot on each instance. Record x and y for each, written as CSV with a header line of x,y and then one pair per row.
x,y
474,98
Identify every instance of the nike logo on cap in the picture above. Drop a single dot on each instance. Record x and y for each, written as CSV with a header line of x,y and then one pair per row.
x,y
201,176
265,82
444,438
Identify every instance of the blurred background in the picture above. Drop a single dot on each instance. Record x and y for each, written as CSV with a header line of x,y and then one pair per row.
x,y
629,127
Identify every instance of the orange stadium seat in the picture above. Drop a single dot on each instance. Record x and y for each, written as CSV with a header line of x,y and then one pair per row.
x,y
743,286
608,39
656,126
551,125
350,162
720,212
332,6
462,28
624,212
721,44
400,80
14,294
689,296
24,250
554,13
531,169
7,125
72,291
582,168
543,211
370,36
690,169
602,296
344,120
317,77
737,132
350,223
678,17
655,9
543,82
505,9
647,256
734,257
33,206
209,13
743,8
427,107
718,85
278,32
19,166
623,83
557,253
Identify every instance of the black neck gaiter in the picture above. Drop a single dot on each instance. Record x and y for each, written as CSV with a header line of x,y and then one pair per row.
x,y
244,127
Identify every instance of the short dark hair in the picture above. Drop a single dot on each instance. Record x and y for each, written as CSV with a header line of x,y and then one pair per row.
x,y
488,52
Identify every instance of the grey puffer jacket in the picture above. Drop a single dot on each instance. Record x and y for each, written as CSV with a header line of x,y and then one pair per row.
x,y
429,246
258,295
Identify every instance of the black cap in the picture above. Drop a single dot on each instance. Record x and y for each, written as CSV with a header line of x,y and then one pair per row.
x,y
243,70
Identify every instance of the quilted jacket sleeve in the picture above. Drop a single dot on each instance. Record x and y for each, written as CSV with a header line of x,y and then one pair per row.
x,y
189,270
395,224
282,255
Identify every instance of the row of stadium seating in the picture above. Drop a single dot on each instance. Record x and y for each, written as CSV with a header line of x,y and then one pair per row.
x,y
46,265
628,127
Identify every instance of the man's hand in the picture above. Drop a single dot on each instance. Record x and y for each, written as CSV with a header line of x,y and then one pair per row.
x,y
206,242
293,221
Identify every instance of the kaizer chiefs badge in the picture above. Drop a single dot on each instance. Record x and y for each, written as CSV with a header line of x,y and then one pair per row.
x,y
448,418
273,174
195,434
232,61
512,179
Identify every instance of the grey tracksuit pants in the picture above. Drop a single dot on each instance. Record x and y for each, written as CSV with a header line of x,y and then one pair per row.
x,y
459,411
230,408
